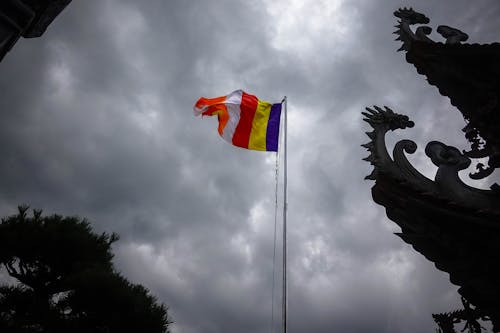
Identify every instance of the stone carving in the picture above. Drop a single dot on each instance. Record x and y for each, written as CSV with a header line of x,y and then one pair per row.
x,y
468,74
447,185
452,224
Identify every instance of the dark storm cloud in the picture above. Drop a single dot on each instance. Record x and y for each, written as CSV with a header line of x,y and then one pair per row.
x,y
96,121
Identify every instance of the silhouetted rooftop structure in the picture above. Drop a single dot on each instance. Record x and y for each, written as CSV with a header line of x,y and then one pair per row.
x,y
26,18
452,224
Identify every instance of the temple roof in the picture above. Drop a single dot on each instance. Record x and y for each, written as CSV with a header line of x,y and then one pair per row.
x,y
455,226
469,74
26,18
45,12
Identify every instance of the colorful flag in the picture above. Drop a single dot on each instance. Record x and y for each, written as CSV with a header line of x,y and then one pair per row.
x,y
244,120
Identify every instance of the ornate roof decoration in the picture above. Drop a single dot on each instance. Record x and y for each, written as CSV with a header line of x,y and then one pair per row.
x,y
455,226
469,74
447,188
469,315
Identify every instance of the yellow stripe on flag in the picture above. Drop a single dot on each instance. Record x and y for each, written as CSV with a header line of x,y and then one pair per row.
x,y
259,126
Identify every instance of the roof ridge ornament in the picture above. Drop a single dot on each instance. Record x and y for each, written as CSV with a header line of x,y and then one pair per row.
x,y
454,225
466,73
409,17
452,35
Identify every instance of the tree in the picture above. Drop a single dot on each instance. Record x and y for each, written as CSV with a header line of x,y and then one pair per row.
x,y
66,280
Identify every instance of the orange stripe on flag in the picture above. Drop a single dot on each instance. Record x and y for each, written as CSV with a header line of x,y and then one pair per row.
x,y
215,106
211,103
223,117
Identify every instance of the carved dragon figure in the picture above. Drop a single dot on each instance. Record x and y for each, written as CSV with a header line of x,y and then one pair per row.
x,y
467,74
436,217
450,161
453,225
410,17
383,121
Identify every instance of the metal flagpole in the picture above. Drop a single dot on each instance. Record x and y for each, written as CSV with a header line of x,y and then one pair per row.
x,y
284,304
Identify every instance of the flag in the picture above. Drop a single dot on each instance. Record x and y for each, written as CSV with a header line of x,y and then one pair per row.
x,y
244,120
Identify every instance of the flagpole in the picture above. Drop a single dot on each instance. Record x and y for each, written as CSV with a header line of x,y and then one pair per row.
x,y
285,289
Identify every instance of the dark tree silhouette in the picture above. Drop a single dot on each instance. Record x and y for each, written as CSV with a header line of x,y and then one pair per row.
x,y
65,280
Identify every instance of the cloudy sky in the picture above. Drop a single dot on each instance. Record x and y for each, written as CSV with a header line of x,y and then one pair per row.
x,y
96,120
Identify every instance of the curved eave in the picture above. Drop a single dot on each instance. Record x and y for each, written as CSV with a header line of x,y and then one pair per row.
x,y
458,240
458,68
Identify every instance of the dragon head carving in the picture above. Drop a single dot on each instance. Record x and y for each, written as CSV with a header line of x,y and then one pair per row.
x,y
409,16
377,117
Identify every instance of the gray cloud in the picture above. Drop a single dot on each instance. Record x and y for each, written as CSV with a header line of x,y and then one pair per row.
x,y
96,121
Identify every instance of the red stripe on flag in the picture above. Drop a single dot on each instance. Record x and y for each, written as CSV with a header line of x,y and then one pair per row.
x,y
248,107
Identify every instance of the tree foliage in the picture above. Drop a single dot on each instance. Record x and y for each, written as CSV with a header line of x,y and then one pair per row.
x,y
66,281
